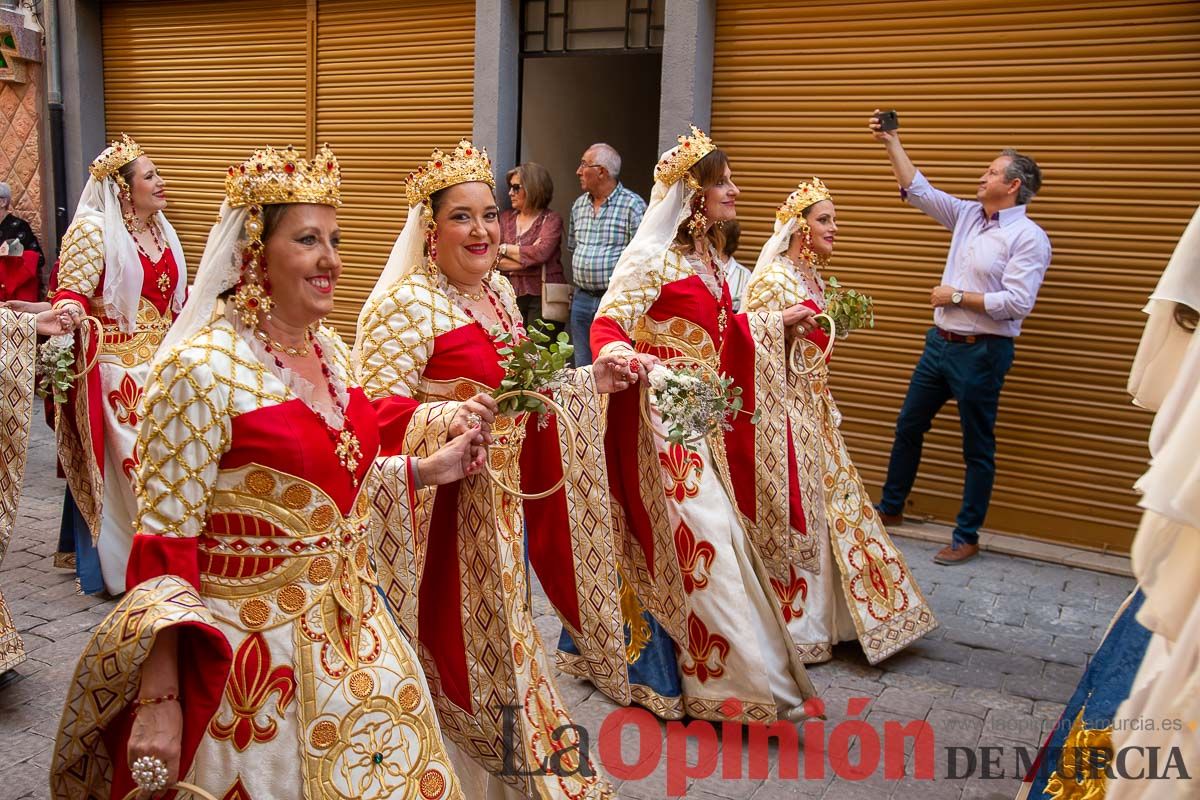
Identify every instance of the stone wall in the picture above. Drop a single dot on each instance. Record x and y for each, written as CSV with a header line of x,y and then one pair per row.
x,y
22,104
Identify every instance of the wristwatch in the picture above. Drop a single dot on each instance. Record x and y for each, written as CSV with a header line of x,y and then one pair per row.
x,y
956,298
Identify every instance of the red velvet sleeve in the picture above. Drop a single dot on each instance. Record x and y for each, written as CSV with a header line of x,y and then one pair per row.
x,y
394,414
154,555
606,330
547,523
204,660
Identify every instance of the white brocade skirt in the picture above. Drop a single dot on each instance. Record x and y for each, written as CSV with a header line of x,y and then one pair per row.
x,y
121,391
739,646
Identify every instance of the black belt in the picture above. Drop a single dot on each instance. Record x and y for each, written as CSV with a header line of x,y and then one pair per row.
x,y
972,339
590,293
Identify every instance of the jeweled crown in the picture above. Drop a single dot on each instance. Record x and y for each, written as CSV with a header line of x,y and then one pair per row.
x,y
466,164
115,156
282,176
682,157
810,192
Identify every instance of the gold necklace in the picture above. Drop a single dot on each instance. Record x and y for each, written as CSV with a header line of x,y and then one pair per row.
x,y
474,298
298,352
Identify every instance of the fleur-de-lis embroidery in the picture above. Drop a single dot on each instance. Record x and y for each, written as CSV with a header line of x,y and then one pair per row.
x,y
251,684
707,650
695,558
124,401
129,465
683,468
792,594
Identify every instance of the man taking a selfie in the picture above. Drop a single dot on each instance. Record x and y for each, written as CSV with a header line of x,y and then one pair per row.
x,y
997,260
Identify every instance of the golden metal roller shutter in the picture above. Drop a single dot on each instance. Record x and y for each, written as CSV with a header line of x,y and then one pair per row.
x,y
200,85
1104,95
394,81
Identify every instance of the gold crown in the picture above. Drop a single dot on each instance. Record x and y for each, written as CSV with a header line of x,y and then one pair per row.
x,y
115,156
683,157
282,176
467,163
810,192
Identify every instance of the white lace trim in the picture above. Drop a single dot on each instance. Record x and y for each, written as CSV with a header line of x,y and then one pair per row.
x,y
297,384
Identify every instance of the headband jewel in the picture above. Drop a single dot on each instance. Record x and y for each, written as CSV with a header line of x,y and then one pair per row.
x,y
116,155
273,176
466,164
809,193
679,159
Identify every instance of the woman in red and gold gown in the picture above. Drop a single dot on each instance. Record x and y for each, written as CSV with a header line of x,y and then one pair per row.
x,y
121,263
428,355
856,583
708,538
253,655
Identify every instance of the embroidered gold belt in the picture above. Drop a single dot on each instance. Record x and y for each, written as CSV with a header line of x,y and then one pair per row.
x,y
139,346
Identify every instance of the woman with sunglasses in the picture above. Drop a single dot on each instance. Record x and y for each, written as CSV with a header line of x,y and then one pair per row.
x,y
531,247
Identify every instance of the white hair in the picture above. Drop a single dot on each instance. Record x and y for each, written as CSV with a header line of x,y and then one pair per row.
x,y
5,194
607,156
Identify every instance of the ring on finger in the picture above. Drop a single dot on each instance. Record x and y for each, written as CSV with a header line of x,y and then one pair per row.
x,y
149,773
474,420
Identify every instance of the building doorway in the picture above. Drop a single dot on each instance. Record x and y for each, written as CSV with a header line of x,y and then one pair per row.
x,y
590,72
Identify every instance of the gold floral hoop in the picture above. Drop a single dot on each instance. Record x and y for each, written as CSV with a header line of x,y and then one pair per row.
x,y
83,348
796,356
181,786
572,437
691,361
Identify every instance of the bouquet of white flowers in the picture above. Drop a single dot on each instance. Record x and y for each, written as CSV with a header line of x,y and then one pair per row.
x,y
694,401
56,367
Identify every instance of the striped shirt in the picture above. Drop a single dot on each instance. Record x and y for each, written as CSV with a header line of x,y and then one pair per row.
x,y
598,237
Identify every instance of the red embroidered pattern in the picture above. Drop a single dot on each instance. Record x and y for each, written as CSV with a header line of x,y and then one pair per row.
x,y
792,595
707,650
682,469
251,683
124,401
695,558
877,578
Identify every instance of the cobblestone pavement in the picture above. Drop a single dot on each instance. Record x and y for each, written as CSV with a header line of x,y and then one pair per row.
x,y
1014,638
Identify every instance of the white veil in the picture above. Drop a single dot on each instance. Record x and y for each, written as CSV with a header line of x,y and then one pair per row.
x,y
100,205
774,247
669,207
407,254
220,268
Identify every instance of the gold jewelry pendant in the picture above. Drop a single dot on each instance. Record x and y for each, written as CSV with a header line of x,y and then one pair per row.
x,y
164,282
349,452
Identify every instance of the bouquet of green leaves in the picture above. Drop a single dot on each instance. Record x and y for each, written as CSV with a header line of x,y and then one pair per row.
x,y
850,309
56,367
533,364
694,402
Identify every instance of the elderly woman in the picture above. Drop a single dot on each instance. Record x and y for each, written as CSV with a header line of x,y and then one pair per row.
x,y
531,247
431,350
20,264
253,653
122,263
858,586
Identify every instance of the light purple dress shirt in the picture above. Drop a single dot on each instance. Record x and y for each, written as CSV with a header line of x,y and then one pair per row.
x,y
1004,257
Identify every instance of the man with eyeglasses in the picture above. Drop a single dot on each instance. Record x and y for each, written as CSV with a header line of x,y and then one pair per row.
x,y
603,220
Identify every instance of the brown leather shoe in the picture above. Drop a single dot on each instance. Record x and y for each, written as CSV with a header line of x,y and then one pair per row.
x,y
890,520
956,554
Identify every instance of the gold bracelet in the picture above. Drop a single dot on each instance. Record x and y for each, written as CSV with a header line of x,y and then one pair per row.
x,y
153,701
